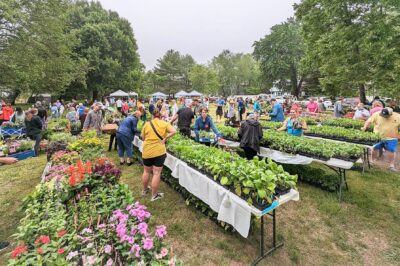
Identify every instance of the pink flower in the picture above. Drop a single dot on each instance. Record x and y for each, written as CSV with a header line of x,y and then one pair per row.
x,y
136,249
72,254
164,252
109,262
101,226
171,262
91,260
107,249
161,231
147,243
143,228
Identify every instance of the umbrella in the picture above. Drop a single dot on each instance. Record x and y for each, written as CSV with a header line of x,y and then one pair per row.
x,y
181,94
159,94
119,93
195,94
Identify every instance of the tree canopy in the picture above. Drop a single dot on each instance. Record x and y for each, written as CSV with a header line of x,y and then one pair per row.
x,y
353,44
279,54
66,48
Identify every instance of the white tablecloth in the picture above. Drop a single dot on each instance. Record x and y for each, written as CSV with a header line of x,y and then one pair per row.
x,y
230,208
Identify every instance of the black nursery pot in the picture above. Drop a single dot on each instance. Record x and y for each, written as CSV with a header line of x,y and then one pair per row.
x,y
75,132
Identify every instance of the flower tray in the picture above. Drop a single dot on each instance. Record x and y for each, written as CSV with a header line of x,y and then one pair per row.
x,y
23,155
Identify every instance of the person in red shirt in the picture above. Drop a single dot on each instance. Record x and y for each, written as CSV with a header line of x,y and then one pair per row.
x,y
125,108
312,106
6,113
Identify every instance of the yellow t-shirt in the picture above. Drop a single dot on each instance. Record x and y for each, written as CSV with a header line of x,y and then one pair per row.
x,y
151,145
387,128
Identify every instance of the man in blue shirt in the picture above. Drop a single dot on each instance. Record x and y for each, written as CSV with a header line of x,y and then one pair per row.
x,y
277,111
204,122
125,135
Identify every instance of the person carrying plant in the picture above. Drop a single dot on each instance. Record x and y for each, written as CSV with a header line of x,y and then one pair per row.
x,y
155,134
294,125
386,124
250,134
125,135
204,122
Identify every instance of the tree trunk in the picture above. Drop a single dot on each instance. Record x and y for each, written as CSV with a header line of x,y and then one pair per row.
x,y
299,88
95,94
14,96
363,97
293,81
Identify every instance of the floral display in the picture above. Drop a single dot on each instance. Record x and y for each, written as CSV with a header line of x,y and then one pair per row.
x,y
81,215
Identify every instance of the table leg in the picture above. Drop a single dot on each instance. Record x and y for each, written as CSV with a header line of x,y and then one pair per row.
x,y
275,246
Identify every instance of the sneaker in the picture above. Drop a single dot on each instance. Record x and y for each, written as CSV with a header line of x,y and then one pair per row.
x,y
392,169
4,245
146,191
157,196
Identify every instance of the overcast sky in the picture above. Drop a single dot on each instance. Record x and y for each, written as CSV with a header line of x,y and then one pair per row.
x,y
201,28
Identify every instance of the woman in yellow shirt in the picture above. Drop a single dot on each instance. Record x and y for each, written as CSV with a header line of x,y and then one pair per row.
x,y
154,135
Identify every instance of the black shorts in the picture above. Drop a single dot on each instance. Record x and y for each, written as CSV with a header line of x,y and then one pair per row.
x,y
219,111
155,161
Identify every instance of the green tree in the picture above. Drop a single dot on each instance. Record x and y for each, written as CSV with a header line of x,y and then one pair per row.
x,y
173,70
36,54
204,79
279,54
107,43
236,72
353,44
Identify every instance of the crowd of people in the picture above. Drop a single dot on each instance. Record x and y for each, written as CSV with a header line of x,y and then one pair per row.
x,y
184,114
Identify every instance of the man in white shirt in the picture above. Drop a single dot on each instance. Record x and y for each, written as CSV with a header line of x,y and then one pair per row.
x,y
119,105
361,113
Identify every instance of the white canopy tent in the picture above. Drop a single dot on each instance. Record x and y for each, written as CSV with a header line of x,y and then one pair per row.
x,y
119,93
132,93
195,94
159,94
181,94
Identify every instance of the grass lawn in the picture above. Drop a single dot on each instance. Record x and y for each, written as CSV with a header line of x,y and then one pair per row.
x,y
362,230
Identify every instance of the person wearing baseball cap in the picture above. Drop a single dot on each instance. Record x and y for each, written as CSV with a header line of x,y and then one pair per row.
x,y
386,124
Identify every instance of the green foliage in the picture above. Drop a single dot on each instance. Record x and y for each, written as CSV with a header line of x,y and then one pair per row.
x,y
172,72
349,135
236,72
256,179
107,44
204,79
352,44
36,53
279,54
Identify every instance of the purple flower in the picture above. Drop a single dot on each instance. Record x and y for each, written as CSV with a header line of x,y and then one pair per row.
x,y
107,249
161,231
109,262
143,228
147,243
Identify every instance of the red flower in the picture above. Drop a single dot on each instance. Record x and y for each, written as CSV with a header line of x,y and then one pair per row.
x,y
43,239
60,251
18,250
89,167
72,180
40,250
61,234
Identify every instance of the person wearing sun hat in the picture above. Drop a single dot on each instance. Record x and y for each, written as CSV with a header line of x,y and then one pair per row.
x,y
386,124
